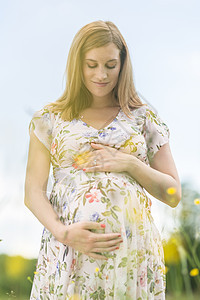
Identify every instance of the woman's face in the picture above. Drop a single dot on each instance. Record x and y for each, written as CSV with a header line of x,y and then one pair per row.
x,y
101,69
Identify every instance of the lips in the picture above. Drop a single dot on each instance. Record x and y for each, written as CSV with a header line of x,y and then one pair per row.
x,y
100,83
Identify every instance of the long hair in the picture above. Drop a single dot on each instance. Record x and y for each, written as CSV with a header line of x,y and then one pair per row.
x,y
76,96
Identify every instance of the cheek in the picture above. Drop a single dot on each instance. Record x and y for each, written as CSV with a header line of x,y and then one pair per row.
x,y
86,77
115,75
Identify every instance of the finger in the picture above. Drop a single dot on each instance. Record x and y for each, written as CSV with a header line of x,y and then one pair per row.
x,y
92,225
93,169
97,146
107,249
108,244
88,163
105,236
83,166
100,236
91,164
99,167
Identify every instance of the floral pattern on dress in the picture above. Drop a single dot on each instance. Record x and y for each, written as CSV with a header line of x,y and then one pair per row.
x,y
136,271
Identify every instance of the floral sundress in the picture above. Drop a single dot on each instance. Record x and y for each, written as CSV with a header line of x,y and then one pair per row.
x,y
135,271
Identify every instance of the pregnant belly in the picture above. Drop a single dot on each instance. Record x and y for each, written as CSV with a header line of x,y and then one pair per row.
x,y
112,200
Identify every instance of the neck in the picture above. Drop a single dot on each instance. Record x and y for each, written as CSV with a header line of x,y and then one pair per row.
x,y
103,103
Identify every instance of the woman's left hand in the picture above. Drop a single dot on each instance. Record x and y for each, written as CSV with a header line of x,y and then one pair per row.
x,y
107,158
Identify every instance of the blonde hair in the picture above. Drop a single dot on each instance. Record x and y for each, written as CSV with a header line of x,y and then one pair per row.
x,y
76,96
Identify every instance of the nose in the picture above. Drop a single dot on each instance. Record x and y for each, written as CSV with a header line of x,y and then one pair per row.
x,y
101,74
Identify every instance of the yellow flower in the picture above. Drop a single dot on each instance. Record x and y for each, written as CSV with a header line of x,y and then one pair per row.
x,y
175,241
15,266
194,272
171,190
97,270
29,279
196,201
171,252
36,272
82,158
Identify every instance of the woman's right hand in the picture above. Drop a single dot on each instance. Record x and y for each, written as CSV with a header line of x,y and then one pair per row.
x,y
79,237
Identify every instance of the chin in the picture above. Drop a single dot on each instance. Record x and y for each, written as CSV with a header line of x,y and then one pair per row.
x,y
100,93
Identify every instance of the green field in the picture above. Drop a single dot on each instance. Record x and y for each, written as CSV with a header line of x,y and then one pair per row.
x,y
182,297
13,298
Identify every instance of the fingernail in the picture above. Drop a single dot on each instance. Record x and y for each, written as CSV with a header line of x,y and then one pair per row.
x,y
119,235
103,225
84,169
117,248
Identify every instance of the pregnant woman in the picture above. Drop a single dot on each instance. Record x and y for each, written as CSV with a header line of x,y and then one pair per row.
x,y
106,148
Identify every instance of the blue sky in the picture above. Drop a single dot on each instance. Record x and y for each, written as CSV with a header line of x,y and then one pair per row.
x,y
164,44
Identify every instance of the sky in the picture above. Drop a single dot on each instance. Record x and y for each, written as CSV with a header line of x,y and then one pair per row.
x,y
162,36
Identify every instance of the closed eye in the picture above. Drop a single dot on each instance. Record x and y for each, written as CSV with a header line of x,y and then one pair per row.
x,y
91,66
109,67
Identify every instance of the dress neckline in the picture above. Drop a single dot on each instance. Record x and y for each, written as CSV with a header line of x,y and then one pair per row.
x,y
103,128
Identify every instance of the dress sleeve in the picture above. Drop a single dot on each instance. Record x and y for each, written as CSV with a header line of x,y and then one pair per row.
x,y
41,124
156,133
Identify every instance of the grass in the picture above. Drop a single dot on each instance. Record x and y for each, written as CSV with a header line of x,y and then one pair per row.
x,y
5,297
182,297
13,298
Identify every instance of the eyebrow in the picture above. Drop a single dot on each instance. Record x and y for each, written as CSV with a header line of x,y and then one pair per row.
x,y
96,61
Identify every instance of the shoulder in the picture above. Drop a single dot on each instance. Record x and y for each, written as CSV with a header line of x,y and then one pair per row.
x,y
45,114
145,110
140,112
148,114
150,118
43,121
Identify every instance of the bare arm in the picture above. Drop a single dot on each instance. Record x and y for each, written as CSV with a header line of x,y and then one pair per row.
x,y
36,180
159,176
77,235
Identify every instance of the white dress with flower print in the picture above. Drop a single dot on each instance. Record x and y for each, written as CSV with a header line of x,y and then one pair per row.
x,y
135,271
